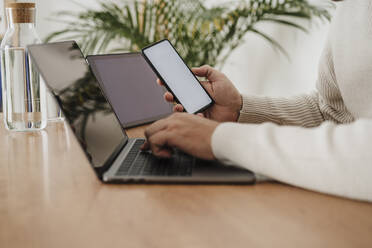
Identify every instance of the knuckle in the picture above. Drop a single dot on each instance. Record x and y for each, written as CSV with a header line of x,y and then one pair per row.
x,y
174,125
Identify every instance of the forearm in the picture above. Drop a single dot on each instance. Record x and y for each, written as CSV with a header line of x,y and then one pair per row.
x,y
302,110
334,159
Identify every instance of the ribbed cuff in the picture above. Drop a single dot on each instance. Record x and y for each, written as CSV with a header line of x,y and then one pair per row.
x,y
256,109
301,110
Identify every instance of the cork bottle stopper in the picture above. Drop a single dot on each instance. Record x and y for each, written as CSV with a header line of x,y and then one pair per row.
x,y
21,12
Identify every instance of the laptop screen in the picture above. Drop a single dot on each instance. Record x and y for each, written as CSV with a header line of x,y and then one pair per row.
x,y
130,86
63,67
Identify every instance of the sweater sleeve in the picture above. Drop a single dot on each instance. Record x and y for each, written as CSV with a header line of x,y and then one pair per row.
x,y
334,159
325,104
302,110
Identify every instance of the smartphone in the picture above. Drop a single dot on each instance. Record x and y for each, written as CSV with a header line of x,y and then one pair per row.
x,y
177,76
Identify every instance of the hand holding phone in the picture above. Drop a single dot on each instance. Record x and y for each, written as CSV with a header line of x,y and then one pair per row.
x,y
177,76
227,99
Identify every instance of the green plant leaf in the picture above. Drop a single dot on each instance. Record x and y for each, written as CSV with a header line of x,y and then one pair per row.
x,y
202,35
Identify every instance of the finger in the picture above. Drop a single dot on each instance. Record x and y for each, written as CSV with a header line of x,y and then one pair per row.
x,y
178,108
164,153
207,72
159,143
168,97
198,71
155,127
200,114
145,146
159,82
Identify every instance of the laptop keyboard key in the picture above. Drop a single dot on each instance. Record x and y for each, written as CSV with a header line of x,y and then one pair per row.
x,y
139,163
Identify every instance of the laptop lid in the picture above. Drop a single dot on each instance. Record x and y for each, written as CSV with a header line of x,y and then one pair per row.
x,y
91,117
130,85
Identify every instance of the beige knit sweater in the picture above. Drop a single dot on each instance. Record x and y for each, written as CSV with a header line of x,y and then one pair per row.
x,y
323,140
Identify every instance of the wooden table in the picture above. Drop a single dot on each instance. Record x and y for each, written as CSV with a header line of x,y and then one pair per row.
x,y
50,197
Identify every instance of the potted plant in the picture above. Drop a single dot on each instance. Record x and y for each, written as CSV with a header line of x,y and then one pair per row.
x,y
202,35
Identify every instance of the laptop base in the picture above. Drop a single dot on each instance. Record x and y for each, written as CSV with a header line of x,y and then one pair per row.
x,y
135,166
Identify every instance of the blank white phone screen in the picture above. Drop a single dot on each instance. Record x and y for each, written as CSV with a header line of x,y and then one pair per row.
x,y
177,76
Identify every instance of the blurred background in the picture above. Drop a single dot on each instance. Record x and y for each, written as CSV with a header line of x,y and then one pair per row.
x,y
255,66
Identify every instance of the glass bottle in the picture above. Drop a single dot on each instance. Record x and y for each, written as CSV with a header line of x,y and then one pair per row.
x,y
24,93
1,38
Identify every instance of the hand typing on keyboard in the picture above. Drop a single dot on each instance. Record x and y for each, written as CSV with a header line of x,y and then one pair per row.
x,y
186,132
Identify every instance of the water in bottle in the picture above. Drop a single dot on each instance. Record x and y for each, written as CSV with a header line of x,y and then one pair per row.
x,y
24,93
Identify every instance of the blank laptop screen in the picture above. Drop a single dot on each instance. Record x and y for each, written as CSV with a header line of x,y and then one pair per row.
x,y
64,69
130,86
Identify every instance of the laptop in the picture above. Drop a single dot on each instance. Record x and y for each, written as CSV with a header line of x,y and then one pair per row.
x,y
135,97
115,157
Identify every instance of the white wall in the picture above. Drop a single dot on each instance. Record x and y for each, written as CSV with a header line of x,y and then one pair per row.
x,y
47,9
254,67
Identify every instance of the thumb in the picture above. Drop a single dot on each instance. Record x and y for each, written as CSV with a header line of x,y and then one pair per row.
x,y
206,71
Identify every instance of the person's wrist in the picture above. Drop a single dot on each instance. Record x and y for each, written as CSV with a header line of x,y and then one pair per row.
x,y
214,126
237,108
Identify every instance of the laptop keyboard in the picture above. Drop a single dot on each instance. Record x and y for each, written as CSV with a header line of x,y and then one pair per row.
x,y
140,163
